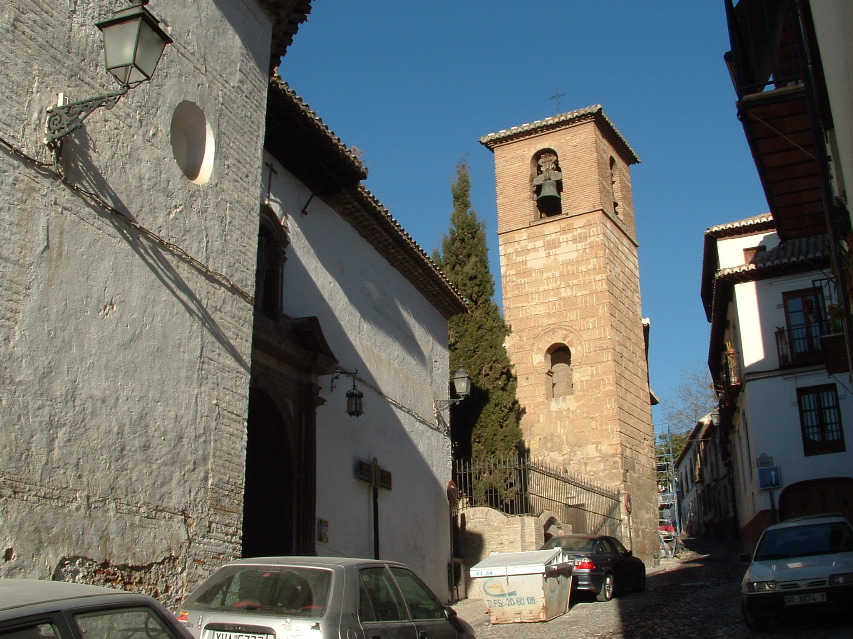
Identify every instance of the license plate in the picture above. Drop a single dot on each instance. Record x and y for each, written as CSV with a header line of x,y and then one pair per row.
x,y
812,597
221,634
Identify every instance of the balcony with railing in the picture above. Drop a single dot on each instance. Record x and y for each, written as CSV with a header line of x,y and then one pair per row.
x,y
801,345
731,369
729,385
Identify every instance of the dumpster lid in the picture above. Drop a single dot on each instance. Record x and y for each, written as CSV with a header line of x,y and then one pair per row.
x,y
519,563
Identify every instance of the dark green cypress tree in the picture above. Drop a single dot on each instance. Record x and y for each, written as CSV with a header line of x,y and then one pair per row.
x,y
485,424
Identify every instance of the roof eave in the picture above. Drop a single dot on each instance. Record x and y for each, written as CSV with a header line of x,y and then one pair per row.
x,y
286,16
560,121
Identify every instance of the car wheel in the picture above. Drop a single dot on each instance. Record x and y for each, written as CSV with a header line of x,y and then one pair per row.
x,y
640,586
606,592
753,623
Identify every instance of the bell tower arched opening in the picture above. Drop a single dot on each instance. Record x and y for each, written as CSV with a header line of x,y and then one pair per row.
x,y
546,183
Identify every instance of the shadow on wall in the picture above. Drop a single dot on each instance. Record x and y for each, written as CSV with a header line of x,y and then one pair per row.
x,y
468,550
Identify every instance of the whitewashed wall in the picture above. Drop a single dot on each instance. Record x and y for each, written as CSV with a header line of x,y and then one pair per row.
x,y
378,323
772,414
125,366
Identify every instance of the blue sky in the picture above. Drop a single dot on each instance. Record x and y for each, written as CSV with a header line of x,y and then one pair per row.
x,y
414,85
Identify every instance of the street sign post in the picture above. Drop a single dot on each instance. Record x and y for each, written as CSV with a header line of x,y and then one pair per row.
x,y
769,477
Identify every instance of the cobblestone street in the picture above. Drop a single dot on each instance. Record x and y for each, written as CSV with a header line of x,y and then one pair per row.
x,y
694,596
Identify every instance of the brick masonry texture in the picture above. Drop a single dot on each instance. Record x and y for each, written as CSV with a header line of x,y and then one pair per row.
x,y
573,279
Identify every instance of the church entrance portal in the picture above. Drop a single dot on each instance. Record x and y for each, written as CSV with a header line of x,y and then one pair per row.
x,y
269,511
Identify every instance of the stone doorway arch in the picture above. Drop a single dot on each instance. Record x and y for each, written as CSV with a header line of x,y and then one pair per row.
x,y
269,499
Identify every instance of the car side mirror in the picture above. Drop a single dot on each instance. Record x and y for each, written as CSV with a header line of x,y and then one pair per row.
x,y
745,557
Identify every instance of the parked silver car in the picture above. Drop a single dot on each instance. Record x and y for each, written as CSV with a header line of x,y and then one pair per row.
x,y
317,598
36,609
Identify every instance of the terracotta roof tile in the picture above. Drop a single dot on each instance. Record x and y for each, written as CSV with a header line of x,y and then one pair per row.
x,y
286,16
539,126
307,115
301,141
754,224
801,250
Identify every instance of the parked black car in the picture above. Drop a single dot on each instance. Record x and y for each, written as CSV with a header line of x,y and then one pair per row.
x,y
602,564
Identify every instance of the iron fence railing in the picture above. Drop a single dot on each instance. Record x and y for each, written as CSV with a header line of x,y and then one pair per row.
x,y
801,345
521,486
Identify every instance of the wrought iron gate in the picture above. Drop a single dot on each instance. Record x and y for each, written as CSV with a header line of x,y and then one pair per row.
x,y
522,486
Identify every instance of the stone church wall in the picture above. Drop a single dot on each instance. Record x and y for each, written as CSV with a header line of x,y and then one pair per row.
x,y
125,310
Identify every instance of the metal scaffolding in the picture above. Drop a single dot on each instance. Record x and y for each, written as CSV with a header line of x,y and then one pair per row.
x,y
667,501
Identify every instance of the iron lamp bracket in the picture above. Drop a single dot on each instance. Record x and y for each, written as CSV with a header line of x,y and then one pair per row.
x,y
67,118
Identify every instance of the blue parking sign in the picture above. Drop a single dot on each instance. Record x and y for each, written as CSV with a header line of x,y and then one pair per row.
x,y
769,477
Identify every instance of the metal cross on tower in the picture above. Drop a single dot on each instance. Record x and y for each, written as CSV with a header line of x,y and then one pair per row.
x,y
557,95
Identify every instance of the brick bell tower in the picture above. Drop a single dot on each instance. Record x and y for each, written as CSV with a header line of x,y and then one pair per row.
x,y
571,294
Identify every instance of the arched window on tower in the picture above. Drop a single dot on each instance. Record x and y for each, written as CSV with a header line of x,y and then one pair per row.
x,y
559,372
269,278
546,183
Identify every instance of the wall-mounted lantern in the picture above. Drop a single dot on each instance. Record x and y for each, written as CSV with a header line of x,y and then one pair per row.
x,y
133,45
354,396
461,382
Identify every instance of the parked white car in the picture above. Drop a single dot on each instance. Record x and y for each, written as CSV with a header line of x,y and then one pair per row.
x,y
800,566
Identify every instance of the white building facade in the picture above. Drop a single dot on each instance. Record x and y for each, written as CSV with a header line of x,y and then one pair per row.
x,y
790,63
705,489
785,412
383,308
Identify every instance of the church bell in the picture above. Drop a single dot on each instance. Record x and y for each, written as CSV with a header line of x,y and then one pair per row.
x,y
549,197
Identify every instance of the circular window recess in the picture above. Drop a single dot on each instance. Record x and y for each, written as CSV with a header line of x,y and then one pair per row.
x,y
192,142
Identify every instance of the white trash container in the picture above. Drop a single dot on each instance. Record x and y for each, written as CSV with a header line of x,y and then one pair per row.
x,y
525,586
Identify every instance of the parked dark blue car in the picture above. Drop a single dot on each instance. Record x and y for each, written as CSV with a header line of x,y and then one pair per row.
x,y
602,564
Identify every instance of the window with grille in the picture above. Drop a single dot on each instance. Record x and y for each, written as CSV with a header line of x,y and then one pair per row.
x,y
272,241
820,420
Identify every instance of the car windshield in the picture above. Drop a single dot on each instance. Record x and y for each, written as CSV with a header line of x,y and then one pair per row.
x,y
571,544
808,539
277,590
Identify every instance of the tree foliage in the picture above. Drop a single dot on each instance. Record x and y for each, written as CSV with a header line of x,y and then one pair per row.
x,y
693,398
485,425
